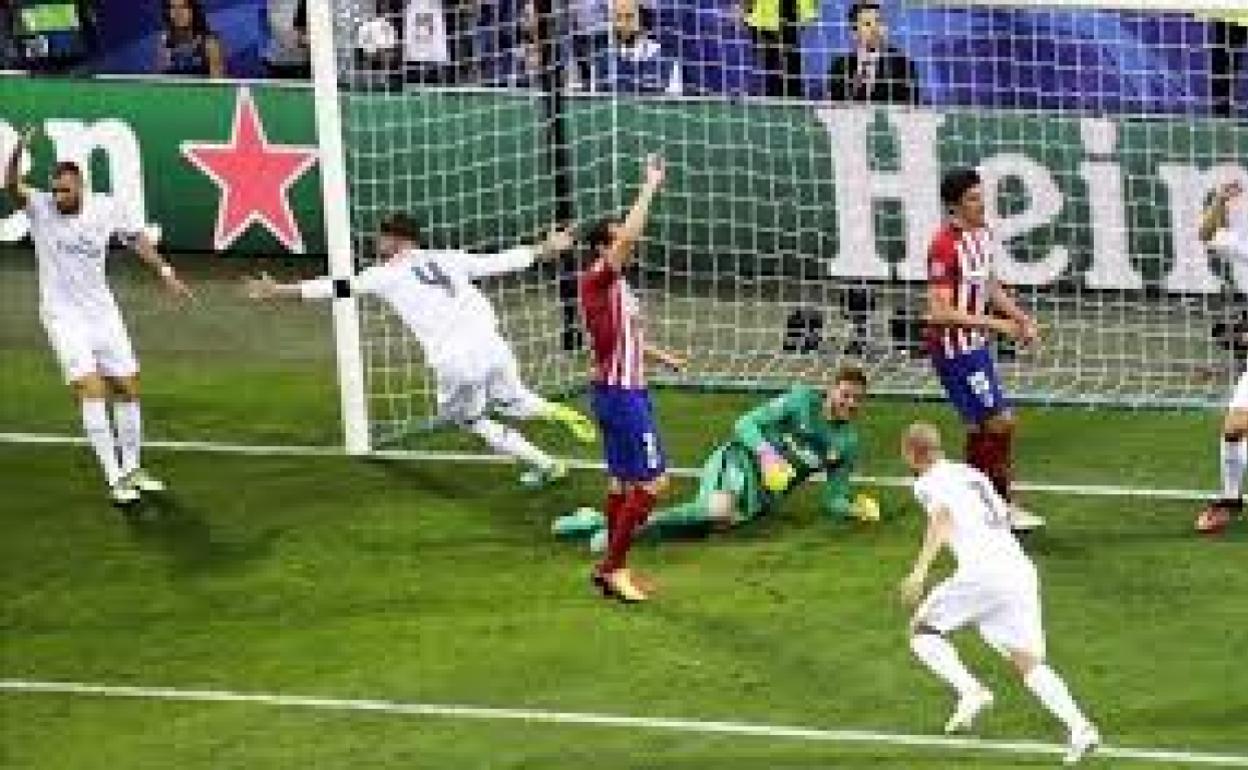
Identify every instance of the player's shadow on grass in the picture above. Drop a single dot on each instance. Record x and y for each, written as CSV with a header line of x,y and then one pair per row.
x,y
185,536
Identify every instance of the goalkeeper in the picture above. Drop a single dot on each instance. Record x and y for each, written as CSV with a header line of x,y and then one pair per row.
x,y
774,448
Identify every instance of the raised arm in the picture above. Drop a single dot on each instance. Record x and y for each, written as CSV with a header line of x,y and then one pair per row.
x,y
634,225
1215,217
14,185
934,540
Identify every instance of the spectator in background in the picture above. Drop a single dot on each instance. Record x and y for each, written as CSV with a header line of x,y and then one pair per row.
x,y
8,45
187,45
288,55
775,27
875,71
1227,53
635,61
522,60
591,35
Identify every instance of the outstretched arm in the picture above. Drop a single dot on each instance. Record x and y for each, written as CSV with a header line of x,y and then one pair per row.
x,y
634,225
14,185
937,535
266,287
558,241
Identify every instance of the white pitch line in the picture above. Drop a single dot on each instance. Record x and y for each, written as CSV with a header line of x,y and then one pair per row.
x,y
612,720
1078,490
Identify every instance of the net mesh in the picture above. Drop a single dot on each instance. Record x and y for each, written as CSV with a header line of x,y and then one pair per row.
x,y
802,190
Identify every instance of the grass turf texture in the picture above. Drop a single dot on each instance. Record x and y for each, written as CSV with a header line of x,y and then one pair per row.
x,y
434,583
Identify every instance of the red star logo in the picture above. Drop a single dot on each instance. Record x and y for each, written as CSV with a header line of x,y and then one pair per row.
x,y
254,178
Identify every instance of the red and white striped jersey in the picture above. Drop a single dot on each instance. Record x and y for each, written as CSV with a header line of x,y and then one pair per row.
x,y
960,260
612,315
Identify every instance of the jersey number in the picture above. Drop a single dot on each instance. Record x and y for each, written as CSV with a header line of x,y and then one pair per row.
x,y
431,274
982,387
995,515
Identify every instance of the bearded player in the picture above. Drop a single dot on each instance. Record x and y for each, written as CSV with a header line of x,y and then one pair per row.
x,y
71,230
965,302
775,448
433,293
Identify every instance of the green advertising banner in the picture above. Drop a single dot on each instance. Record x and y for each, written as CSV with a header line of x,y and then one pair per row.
x,y
843,192
211,167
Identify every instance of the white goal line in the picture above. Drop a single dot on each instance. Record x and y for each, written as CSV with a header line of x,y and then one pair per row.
x,y
540,716
1078,490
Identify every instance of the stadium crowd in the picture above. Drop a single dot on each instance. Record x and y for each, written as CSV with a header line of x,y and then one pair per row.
x,y
874,51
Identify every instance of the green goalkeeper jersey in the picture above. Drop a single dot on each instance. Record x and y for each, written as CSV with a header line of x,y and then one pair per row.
x,y
794,425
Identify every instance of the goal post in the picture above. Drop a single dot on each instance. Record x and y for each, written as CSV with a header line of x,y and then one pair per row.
x,y
335,201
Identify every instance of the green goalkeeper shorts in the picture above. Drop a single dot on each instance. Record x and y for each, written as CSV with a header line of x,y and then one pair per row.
x,y
733,468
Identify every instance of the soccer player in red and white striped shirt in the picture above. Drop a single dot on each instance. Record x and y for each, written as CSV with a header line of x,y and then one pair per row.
x,y
636,465
966,302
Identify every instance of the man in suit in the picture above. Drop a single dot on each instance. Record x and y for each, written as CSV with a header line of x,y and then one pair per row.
x,y
875,71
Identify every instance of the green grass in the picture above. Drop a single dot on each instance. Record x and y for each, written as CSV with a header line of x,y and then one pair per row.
x,y
435,583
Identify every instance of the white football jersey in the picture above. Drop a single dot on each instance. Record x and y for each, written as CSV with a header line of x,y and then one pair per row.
x,y
434,294
981,540
71,251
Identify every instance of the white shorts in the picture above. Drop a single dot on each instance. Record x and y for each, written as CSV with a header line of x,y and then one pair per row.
x,y
475,385
1239,399
1006,611
97,347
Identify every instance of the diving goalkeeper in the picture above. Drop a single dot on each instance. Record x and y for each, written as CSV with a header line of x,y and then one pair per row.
x,y
774,448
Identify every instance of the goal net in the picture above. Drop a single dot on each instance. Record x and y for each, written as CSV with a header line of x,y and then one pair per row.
x,y
802,189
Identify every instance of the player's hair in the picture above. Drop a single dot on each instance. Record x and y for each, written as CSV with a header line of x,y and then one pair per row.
x,y
924,435
600,234
955,184
66,167
859,8
399,225
199,19
851,373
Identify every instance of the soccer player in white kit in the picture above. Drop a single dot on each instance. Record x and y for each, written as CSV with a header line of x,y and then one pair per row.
x,y
994,588
434,295
71,231
1224,229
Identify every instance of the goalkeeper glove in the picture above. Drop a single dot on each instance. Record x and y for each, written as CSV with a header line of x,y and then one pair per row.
x,y
865,508
777,473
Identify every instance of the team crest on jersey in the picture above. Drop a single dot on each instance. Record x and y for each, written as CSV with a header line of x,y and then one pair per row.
x,y
82,247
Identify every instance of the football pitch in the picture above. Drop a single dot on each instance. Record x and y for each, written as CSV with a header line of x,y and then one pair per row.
x,y
311,610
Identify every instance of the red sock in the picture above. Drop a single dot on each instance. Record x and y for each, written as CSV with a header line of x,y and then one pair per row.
x,y
632,514
976,450
1001,450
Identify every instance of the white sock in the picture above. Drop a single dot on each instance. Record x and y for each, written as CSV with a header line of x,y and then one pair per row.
x,y
1051,691
129,421
942,659
508,441
1234,459
99,430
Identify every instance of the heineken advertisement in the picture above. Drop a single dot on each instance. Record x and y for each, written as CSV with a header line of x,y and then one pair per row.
x,y
1084,201
209,167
